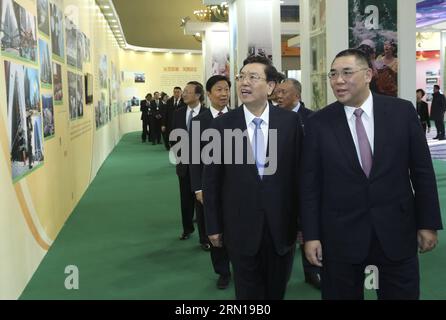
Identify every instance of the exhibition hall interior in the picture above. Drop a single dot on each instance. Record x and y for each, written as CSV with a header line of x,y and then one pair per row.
x,y
92,204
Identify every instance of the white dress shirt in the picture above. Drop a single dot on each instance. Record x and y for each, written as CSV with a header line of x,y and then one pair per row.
x,y
196,112
251,126
296,108
367,121
215,111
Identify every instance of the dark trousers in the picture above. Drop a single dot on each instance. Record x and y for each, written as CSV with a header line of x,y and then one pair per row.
x,y
187,204
199,212
440,128
155,130
145,133
220,261
425,126
264,275
219,256
166,139
397,279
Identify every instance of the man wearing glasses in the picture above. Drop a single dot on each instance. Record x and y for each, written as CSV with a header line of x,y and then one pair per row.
x,y
251,206
368,191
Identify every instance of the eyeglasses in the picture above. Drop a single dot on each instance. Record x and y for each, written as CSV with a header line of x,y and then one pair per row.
x,y
252,77
345,74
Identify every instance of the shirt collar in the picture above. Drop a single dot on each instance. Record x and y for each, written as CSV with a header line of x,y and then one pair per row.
x,y
215,111
296,108
367,107
196,109
249,116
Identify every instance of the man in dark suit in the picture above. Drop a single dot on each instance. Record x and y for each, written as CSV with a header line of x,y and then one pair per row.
x,y
250,191
144,108
173,103
156,119
218,91
288,94
368,191
438,108
423,111
193,97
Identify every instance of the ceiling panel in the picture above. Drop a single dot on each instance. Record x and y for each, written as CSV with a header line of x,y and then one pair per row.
x,y
156,23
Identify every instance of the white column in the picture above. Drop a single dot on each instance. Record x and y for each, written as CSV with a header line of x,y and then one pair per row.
x,y
407,48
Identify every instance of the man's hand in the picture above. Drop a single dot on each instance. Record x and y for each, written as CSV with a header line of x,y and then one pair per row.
x,y
199,196
313,252
216,240
163,128
427,240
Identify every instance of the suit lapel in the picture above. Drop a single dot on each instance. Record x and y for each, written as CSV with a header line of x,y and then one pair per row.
x,y
240,123
382,128
183,119
273,124
344,135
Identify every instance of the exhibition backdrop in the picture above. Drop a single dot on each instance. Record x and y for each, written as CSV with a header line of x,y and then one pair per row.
x,y
52,141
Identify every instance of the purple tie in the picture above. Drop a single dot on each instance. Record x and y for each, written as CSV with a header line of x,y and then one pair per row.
x,y
364,146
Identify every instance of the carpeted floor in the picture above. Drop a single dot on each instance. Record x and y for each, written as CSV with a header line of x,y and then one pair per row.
x,y
123,238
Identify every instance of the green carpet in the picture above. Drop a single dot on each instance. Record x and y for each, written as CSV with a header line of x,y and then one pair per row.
x,y
123,238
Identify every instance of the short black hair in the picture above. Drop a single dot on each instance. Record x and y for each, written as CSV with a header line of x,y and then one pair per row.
x,y
360,55
270,70
368,50
177,88
149,95
436,86
422,92
214,79
280,77
198,89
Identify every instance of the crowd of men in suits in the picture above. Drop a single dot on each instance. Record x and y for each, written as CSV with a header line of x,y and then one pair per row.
x,y
157,113
353,186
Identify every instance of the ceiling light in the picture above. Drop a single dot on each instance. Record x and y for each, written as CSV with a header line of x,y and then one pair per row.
x,y
106,6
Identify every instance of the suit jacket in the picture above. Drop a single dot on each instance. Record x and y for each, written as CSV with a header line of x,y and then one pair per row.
x,y
168,111
196,170
341,207
423,112
144,108
179,122
438,107
248,203
304,113
156,110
